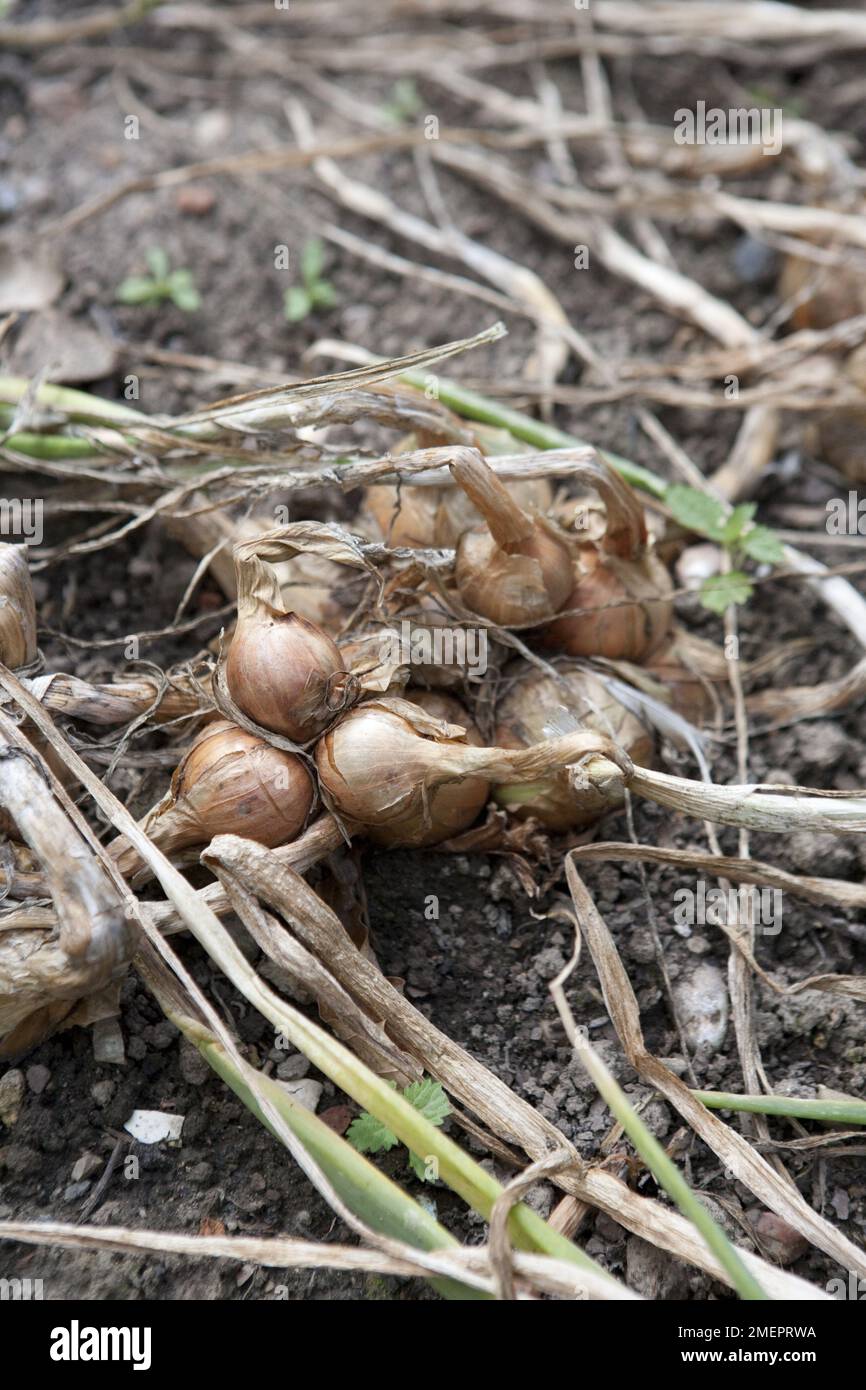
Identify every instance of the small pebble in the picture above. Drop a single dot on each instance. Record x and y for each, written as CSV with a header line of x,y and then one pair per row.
x,y
75,1191
86,1166
195,201
193,1067
701,999
781,1242
293,1068
306,1092
102,1091
38,1078
12,1089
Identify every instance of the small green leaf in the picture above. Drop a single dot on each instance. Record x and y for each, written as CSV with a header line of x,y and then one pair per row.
x,y
403,102
186,297
722,590
322,294
158,262
737,522
312,260
139,290
419,1168
297,303
369,1136
695,510
429,1100
763,545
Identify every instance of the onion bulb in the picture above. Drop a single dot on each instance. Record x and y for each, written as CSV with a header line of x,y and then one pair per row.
x,y
404,778
515,568
282,672
618,582
449,710
17,608
425,517
538,706
228,783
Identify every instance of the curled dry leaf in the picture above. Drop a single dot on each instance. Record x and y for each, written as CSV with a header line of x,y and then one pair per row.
x,y
42,973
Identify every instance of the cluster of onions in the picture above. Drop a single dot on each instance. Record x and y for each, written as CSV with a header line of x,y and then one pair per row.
x,y
618,585
537,706
406,778
282,671
228,782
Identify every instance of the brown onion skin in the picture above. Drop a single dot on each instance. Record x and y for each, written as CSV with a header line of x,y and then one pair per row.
x,y
627,632
489,578
287,675
448,709
362,765
233,783
521,719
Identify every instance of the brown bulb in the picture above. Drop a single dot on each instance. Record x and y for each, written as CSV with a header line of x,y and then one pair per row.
x,y
514,569
228,783
287,675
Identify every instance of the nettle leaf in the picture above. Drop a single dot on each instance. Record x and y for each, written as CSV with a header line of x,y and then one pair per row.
x,y
369,1136
763,545
695,510
737,522
429,1100
721,590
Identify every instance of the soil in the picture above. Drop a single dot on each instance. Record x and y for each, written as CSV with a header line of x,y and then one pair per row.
x,y
481,970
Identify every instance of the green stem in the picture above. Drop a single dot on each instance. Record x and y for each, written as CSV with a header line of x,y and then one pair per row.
x,y
670,1177
82,408
831,1112
367,1192
473,406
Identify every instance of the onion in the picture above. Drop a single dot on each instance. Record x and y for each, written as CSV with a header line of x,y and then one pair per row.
x,y
609,573
515,569
282,671
456,514
424,517
407,779
17,608
537,706
228,783
448,710
402,515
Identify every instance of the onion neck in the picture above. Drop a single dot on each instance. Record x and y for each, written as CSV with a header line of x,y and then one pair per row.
x,y
508,524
